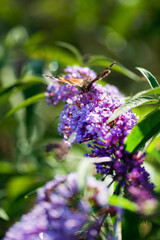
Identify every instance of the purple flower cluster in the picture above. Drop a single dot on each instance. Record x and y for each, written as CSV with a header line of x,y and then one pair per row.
x,y
128,171
60,212
139,187
146,202
87,114
84,120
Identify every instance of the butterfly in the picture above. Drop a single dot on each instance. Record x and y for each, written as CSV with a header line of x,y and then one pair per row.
x,y
83,83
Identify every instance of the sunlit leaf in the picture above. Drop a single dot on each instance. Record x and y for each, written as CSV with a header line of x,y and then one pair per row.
x,y
151,91
123,203
19,185
84,169
26,103
5,90
31,79
32,193
3,214
72,49
16,36
6,167
153,148
150,78
132,103
143,131
50,53
28,81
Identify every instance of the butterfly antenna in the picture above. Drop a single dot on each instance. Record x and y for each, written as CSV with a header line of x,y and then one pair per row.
x,y
49,76
103,74
111,65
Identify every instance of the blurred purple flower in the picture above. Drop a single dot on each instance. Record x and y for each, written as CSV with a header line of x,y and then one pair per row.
x,y
60,212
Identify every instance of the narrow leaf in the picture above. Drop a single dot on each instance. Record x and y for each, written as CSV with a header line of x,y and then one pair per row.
x,y
34,80
50,53
132,103
26,103
155,153
3,214
155,90
144,131
84,168
122,202
72,49
153,148
151,79
28,81
119,68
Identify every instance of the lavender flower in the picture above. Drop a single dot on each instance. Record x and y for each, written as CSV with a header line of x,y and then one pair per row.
x,y
87,114
146,201
84,120
60,213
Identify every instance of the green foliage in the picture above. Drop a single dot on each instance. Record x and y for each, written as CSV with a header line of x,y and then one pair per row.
x,y
132,103
26,103
146,129
151,79
42,35
123,203
3,214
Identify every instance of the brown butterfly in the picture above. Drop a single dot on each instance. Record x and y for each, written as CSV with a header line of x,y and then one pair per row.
x,y
83,84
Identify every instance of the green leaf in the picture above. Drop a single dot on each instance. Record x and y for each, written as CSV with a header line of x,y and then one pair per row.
x,y
132,103
72,49
123,203
50,53
7,167
21,185
28,81
153,149
5,90
33,80
144,131
26,103
98,58
150,78
3,214
84,168
119,68
147,92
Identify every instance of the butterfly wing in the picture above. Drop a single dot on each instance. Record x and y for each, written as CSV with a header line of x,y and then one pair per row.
x,y
78,82
103,74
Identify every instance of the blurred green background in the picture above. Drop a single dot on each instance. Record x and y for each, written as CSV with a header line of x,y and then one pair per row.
x,y
33,34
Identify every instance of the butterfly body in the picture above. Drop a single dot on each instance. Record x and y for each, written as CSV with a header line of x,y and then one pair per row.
x,y
83,83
